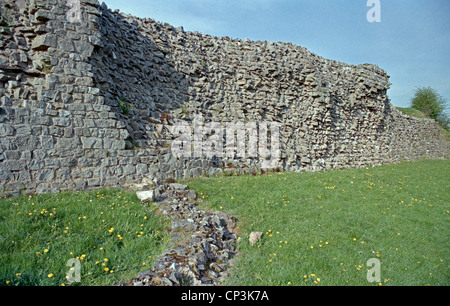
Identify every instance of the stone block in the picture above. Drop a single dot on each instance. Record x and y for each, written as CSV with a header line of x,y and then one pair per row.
x,y
43,42
44,175
146,196
91,143
6,130
44,15
66,45
141,169
12,155
112,144
47,141
63,122
6,175
129,169
94,182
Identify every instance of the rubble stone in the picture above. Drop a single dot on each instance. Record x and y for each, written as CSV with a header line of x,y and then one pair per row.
x,y
202,246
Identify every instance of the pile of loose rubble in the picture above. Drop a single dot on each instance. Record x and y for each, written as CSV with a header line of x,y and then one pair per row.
x,y
202,245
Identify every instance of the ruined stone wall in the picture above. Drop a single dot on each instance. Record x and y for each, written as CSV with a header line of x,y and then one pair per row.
x,y
91,100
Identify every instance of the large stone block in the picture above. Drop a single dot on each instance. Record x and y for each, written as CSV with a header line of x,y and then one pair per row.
x,y
91,143
43,42
44,175
63,122
6,130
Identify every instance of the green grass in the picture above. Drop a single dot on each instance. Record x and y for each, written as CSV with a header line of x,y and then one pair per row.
x,y
411,111
109,231
319,229
328,225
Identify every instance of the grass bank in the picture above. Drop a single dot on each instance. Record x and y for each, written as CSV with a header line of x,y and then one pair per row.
x,y
323,228
110,233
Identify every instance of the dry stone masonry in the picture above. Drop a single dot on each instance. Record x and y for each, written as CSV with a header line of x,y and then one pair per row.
x,y
202,246
89,99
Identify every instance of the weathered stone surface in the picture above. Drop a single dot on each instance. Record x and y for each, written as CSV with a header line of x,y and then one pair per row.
x,y
177,186
254,237
146,196
201,246
108,92
43,42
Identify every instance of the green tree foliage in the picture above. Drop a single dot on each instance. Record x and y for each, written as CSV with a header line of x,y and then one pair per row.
x,y
428,101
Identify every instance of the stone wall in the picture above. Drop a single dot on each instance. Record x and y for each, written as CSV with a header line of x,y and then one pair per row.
x,y
91,100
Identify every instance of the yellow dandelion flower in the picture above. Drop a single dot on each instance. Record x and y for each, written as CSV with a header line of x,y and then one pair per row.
x,y
50,275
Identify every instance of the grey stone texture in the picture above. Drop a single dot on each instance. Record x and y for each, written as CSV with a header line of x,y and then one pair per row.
x,y
202,247
93,103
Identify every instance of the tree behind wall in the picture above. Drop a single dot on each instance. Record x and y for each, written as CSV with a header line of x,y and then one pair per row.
x,y
428,101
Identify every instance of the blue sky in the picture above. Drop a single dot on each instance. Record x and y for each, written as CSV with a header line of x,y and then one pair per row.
x,y
412,41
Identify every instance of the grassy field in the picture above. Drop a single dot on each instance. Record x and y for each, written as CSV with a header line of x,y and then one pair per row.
x,y
322,228
110,232
318,229
410,111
